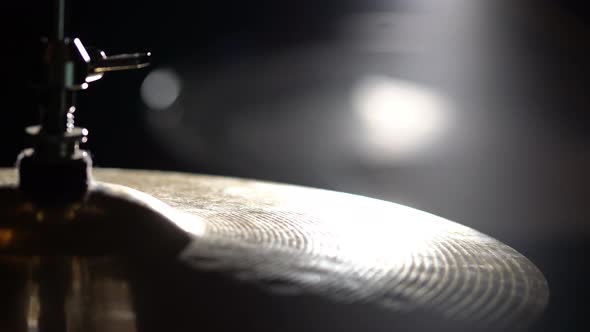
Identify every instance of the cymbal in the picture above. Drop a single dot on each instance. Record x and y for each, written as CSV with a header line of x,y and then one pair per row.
x,y
363,261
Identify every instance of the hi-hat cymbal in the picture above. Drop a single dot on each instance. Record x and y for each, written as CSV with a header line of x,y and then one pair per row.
x,y
366,261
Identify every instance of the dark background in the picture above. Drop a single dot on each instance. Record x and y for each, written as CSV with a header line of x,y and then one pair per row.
x,y
266,90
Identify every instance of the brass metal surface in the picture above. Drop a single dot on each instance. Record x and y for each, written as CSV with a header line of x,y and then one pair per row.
x,y
260,253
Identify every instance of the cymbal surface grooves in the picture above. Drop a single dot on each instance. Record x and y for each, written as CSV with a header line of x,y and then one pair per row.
x,y
294,240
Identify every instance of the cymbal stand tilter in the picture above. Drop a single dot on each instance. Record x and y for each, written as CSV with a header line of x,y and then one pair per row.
x,y
57,225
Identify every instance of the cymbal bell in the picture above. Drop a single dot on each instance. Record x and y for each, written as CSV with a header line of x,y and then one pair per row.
x,y
261,256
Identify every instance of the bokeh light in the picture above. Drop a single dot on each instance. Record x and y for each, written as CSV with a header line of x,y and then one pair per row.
x,y
399,118
160,89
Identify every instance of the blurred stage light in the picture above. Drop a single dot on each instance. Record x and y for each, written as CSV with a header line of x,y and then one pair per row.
x,y
399,118
160,89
